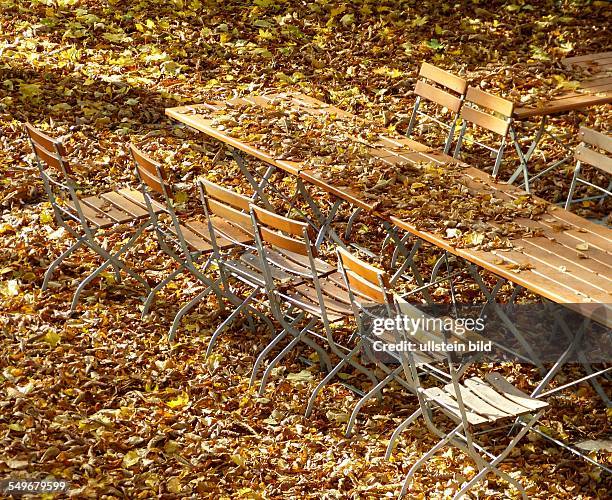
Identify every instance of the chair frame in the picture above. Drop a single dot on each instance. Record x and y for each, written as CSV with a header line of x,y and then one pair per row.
x,y
50,154
503,127
153,178
440,96
591,140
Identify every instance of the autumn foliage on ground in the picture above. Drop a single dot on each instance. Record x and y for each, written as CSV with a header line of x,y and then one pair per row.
x,y
100,398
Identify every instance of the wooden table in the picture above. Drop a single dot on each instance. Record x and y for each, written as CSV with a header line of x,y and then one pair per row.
x,y
593,91
552,264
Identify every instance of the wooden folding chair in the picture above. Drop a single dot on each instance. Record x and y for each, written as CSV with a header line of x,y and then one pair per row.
x,y
188,243
476,407
587,153
229,224
491,113
302,290
90,219
445,92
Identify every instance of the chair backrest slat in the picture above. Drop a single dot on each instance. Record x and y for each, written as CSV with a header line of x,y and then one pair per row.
x,y
50,159
284,242
241,219
272,226
586,155
49,143
150,172
280,223
147,164
438,96
484,120
364,278
596,139
490,101
226,196
443,78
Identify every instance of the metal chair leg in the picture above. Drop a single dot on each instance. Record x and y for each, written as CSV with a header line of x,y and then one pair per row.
x,y
162,284
228,320
377,388
400,428
58,261
327,379
419,463
185,309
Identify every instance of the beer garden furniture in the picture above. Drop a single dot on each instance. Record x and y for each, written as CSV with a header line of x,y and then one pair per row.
x,y
89,218
595,90
559,256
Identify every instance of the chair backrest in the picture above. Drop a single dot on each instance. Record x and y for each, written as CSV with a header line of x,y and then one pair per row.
x,y
281,232
441,87
491,113
151,174
587,152
226,204
54,169
489,105
229,207
365,282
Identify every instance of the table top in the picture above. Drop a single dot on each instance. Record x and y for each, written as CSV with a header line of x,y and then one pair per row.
x,y
564,257
593,91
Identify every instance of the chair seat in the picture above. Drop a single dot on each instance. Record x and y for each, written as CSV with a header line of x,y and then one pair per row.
x,y
486,401
115,207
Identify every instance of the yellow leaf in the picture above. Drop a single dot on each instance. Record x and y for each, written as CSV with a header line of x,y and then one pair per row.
x,y
52,338
29,89
583,247
181,197
6,228
132,457
238,460
417,185
174,485
181,400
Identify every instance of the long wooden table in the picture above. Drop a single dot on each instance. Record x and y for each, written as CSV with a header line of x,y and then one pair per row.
x,y
593,91
569,262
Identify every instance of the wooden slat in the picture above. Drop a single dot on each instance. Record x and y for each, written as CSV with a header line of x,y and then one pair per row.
x,y
443,77
232,231
549,258
562,105
138,198
107,209
586,155
225,195
486,392
254,261
586,58
49,143
476,404
363,269
146,164
443,399
280,223
125,204
93,216
241,219
561,279
366,288
486,121
438,96
192,239
201,230
489,101
509,391
285,242
330,303
596,138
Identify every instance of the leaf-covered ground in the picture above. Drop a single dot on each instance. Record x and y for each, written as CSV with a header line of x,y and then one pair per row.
x,y
100,398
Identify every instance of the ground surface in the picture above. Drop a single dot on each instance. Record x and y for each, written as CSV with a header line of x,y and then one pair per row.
x,y
100,398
